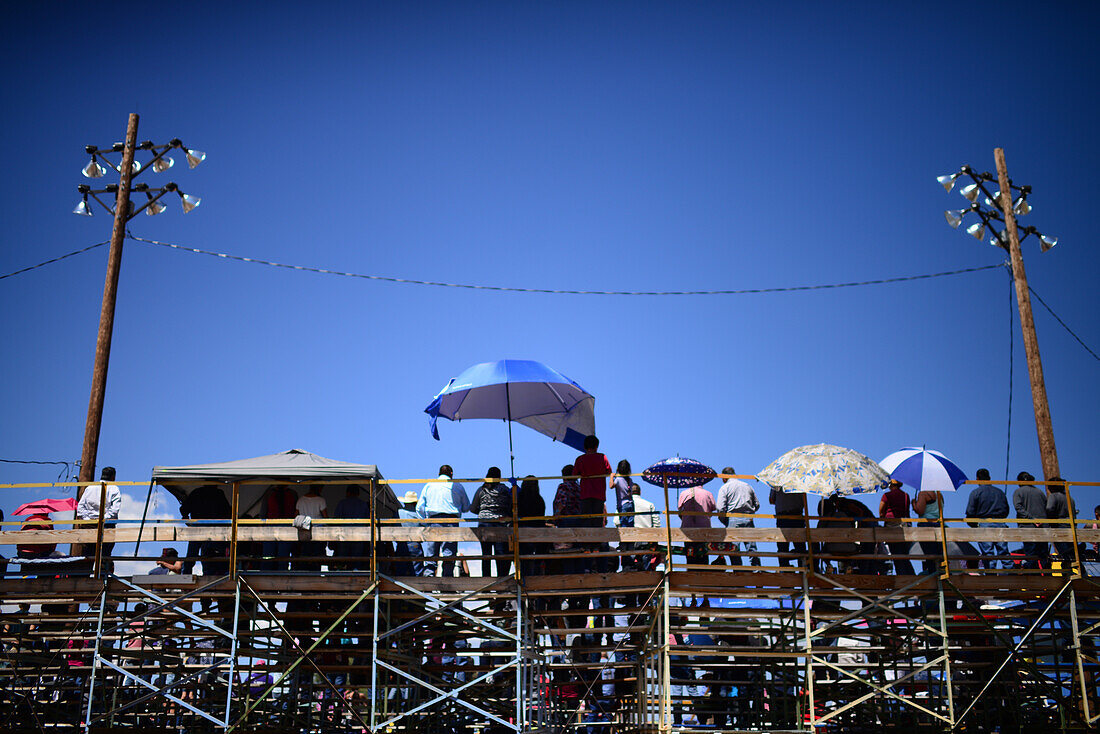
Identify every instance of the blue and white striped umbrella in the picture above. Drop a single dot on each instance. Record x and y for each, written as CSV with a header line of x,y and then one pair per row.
x,y
923,469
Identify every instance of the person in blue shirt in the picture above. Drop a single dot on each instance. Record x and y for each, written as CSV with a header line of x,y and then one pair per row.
x,y
988,502
410,548
443,498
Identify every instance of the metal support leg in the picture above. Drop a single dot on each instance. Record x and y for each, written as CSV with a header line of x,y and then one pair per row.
x,y
233,648
374,660
1077,654
666,672
519,653
946,655
808,626
95,655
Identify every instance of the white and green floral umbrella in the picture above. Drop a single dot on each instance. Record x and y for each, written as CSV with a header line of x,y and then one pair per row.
x,y
824,469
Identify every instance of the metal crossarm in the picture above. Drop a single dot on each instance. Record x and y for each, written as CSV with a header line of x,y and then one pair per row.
x,y
173,605
303,655
443,695
876,604
451,607
159,691
884,690
1016,649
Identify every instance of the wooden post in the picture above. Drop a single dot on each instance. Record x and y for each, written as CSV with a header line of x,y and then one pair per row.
x,y
373,488
97,567
811,564
1047,451
1077,567
107,311
233,520
943,537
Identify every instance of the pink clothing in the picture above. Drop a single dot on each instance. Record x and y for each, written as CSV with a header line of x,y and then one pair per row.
x,y
696,499
593,470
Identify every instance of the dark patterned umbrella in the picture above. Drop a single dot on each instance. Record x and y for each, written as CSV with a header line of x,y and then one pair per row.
x,y
680,473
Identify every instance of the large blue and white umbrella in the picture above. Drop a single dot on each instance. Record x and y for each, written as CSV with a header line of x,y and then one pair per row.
x,y
924,469
519,390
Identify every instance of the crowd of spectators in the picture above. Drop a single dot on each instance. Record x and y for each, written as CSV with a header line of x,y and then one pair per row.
x,y
581,500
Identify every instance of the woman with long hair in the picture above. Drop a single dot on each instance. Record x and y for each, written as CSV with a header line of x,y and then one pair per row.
x,y
492,504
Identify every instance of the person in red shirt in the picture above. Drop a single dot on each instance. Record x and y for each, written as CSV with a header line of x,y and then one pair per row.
x,y
593,468
893,508
279,503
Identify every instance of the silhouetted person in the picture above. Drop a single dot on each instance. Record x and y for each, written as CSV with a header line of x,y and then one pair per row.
x,y
988,502
1031,504
492,503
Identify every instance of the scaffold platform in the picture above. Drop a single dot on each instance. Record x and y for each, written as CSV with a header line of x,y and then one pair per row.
x,y
678,640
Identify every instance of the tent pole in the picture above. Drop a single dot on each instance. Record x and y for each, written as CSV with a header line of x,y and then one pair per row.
x,y
144,514
511,453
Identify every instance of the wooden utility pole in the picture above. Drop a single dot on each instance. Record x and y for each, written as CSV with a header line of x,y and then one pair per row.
x,y
1047,452
107,312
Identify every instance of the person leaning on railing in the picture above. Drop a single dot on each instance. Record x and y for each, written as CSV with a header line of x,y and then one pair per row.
x,y
531,508
492,503
696,506
928,505
1058,508
893,508
88,509
988,502
737,497
567,505
443,498
593,468
279,503
1031,504
789,513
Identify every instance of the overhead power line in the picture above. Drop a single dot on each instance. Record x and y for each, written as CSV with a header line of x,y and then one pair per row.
x,y
1063,323
53,260
563,291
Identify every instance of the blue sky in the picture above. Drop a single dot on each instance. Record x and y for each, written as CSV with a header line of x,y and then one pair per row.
x,y
624,146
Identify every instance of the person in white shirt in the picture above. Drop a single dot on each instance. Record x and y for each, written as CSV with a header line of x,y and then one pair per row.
x,y
737,497
88,509
645,516
88,506
312,505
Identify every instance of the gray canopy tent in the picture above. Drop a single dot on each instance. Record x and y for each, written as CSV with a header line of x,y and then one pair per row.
x,y
295,467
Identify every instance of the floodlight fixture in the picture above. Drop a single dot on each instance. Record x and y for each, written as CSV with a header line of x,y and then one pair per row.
x,y
154,207
1021,207
971,192
188,201
1046,242
976,230
82,208
162,164
955,217
93,169
948,180
194,157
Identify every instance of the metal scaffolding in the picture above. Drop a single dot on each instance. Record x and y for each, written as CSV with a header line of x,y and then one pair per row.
x,y
671,645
